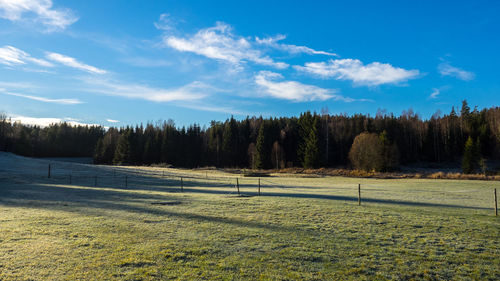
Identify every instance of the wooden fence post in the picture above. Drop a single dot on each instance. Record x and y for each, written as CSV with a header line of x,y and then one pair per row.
x,y
496,208
49,172
359,194
259,186
238,186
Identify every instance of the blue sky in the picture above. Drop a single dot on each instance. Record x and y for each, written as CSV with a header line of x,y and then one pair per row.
x,y
118,63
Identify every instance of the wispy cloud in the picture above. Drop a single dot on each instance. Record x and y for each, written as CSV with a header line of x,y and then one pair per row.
x,y
112,121
47,121
146,62
220,43
13,56
193,91
292,49
446,69
37,11
435,93
72,62
215,108
42,99
290,90
372,74
18,85
165,22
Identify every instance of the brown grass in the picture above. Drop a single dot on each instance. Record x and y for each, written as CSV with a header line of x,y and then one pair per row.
x,y
388,175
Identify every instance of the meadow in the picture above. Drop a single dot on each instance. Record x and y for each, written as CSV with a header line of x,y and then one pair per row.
x,y
90,222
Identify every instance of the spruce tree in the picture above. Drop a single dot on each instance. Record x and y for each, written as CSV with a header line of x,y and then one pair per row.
x,y
311,151
305,123
470,160
264,145
99,151
123,153
230,143
260,156
390,153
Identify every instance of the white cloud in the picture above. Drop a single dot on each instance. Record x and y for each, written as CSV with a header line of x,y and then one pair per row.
x,y
47,121
72,62
18,85
435,93
189,92
112,121
37,11
293,49
146,62
215,108
372,74
42,99
220,43
164,22
446,69
291,90
13,56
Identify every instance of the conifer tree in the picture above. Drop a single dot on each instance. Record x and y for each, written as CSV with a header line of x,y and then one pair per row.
x,y
390,153
123,153
311,151
264,147
470,160
230,143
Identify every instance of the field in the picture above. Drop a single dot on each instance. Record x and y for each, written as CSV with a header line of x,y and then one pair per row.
x,y
135,223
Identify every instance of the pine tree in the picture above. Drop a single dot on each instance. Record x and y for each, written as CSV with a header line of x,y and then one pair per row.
x,y
260,156
123,153
98,154
311,151
470,160
305,124
264,145
390,153
230,143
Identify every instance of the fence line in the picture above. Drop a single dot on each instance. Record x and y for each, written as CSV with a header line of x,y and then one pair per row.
x,y
123,177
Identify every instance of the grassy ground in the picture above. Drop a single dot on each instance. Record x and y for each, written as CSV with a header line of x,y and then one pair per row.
x,y
300,228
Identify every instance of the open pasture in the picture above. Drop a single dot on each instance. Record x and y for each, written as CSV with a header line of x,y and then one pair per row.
x,y
144,223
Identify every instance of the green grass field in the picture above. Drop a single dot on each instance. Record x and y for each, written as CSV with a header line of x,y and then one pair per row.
x,y
300,228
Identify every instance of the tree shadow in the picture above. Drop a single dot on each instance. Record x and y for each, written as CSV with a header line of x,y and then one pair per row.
x,y
129,180
207,188
91,201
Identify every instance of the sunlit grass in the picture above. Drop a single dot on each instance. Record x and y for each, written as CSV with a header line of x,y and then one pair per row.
x,y
301,228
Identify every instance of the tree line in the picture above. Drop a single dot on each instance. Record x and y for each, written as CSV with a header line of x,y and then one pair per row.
x,y
56,140
311,140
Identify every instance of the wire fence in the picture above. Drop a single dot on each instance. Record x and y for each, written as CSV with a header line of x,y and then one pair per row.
x,y
210,182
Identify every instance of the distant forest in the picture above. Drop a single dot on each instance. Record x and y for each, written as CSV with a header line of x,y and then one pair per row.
x,y
311,140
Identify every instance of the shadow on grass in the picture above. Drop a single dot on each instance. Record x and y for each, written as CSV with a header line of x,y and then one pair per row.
x,y
119,190
206,188
90,201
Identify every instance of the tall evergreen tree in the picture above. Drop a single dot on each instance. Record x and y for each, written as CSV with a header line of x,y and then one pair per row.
x,y
470,160
123,153
311,143
230,143
264,146
305,125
